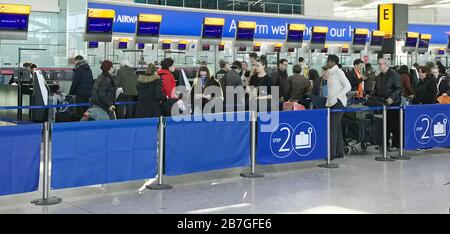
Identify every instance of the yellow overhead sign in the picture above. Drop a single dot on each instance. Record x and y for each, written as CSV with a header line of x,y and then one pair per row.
x,y
124,40
378,33
297,27
150,18
326,46
15,9
247,24
258,44
100,13
214,21
183,42
386,19
320,29
425,36
345,46
412,35
222,43
362,31
166,41
278,44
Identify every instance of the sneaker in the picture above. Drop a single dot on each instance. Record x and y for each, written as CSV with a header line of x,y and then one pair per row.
x,y
392,149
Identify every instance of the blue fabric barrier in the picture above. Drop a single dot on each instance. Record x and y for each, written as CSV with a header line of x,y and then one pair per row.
x,y
20,151
348,110
427,126
199,146
100,152
299,136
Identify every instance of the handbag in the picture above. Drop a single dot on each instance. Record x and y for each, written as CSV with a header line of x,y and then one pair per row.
x,y
444,99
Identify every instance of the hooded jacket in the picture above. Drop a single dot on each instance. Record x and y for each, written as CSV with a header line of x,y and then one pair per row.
x,y
104,91
150,96
168,83
126,78
82,80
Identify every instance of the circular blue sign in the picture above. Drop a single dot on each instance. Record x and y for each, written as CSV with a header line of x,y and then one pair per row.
x,y
422,129
440,128
304,139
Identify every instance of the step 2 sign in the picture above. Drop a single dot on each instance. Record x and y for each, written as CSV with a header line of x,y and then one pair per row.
x,y
300,136
427,126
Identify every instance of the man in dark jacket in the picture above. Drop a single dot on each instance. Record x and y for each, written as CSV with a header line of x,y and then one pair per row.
x,y
388,87
233,80
279,79
297,85
126,79
82,84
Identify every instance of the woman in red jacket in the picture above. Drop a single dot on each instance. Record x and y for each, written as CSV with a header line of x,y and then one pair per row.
x,y
168,81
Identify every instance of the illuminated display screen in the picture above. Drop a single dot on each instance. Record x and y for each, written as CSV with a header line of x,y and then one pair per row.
x,y
182,46
245,34
359,39
291,50
276,49
93,44
344,51
243,49
123,45
221,48
324,50
411,42
318,38
256,48
148,29
376,41
141,46
166,46
205,47
13,22
441,52
424,44
212,31
99,25
295,36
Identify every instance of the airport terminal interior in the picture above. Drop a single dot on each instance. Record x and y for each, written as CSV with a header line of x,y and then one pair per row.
x,y
224,107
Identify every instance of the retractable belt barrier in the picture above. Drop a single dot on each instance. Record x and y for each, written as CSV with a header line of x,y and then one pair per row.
x,y
126,150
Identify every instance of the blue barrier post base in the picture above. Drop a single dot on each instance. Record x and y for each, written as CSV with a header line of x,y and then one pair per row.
x,y
329,165
383,159
159,187
402,158
251,175
47,202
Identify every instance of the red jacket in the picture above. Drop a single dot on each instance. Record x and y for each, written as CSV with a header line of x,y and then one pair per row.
x,y
168,83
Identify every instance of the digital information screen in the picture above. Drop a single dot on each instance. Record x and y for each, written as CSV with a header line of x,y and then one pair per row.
x,y
14,22
212,31
99,25
182,46
291,50
245,34
376,41
205,47
242,49
166,46
123,45
318,38
276,49
359,39
141,46
344,51
411,42
93,45
424,44
256,48
148,29
324,50
295,36
441,52
221,48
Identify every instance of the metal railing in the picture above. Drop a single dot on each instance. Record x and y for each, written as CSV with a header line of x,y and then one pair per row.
x,y
234,5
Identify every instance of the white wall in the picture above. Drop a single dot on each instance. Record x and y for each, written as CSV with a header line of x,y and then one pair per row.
x,y
323,8
38,5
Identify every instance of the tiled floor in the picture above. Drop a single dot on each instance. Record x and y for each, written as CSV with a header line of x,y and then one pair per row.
x,y
360,185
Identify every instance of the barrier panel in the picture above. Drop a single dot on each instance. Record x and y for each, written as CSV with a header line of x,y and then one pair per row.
x,y
299,136
100,152
20,150
427,126
199,146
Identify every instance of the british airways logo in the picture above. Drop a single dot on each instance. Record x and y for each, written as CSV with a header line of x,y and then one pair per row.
x,y
126,19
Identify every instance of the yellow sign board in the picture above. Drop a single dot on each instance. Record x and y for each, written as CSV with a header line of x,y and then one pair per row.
x,y
345,46
278,44
412,35
183,42
297,27
425,36
166,41
326,46
124,40
247,24
215,21
257,44
386,19
320,29
378,33
100,13
362,31
15,9
150,18
222,43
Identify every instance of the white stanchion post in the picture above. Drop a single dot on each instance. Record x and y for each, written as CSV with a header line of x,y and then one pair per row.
x,y
253,132
385,158
328,164
402,137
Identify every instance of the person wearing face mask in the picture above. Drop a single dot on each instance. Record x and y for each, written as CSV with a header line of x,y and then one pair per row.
x,y
442,82
204,90
426,92
104,91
